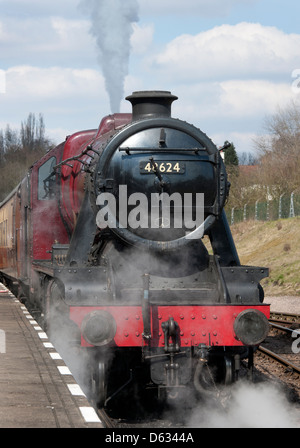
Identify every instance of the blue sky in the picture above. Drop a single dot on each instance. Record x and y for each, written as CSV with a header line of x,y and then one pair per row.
x,y
230,62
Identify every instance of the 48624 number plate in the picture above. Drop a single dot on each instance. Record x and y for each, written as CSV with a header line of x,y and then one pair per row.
x,y
163,167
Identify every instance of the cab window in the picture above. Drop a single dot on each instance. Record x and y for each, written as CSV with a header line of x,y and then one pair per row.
x,y
47,180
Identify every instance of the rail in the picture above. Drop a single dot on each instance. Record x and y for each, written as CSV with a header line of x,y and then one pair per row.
x,y
279,359
282,321
289,330
105,419
289,318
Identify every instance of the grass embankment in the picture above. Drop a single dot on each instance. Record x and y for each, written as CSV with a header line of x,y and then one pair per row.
x,y
276,245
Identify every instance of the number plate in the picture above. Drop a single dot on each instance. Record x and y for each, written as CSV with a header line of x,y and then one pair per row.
x,y
163,167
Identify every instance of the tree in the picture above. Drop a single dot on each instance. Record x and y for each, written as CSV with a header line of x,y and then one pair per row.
x,y
11,140
247,158
231,162
19,150
2,151
279,151
231,157
33,133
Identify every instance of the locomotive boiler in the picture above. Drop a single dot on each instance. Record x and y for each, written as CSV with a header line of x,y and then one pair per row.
x,y
105,236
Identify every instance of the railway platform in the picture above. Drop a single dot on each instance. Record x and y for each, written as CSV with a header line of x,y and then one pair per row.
x,y
37,390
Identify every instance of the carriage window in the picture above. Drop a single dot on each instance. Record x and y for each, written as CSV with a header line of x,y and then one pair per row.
x,y
3,233
47,180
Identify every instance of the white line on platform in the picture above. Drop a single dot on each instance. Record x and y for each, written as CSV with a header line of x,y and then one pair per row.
x,y
55,355
89,414
64,370
43,335
76,390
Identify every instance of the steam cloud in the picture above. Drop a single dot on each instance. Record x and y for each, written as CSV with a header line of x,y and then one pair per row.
x,y
112,27
261,405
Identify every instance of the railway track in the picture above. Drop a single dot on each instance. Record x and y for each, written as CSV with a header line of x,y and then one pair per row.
x,y
105,419
289,324
287,318
280,359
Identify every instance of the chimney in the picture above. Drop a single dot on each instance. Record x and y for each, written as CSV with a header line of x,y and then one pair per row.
x,y
151,104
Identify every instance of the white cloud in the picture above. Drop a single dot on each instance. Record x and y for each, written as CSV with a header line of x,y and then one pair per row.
x,y
58,135
245,50
47,41
72,34
69,99
233,100
5,35
141,38
36,83
243,141
230,110
227,78
250,97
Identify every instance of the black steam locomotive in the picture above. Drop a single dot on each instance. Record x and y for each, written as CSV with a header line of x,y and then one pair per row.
x,y
122,254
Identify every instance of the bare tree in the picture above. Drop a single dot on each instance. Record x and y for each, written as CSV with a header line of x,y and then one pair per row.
x,y
11,140
2,149
33,133
19,150
279,151
247,158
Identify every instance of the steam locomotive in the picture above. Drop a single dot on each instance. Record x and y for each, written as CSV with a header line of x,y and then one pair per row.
x,y
104,238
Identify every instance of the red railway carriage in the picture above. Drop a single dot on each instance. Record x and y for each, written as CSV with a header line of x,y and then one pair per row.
x,y
9,234
82,242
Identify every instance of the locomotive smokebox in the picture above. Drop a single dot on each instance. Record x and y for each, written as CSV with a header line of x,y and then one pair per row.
x,y
151,104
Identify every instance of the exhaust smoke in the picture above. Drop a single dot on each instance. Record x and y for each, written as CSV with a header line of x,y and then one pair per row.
x,y
112,27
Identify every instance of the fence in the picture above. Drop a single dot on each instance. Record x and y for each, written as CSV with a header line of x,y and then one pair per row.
x,y
287,206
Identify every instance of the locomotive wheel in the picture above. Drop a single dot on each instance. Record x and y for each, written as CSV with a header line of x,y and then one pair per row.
x,y
207,379
228,371
99,383
204,379
56,311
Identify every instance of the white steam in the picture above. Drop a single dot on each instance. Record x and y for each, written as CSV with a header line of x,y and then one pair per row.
x,y
112,26
261,405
